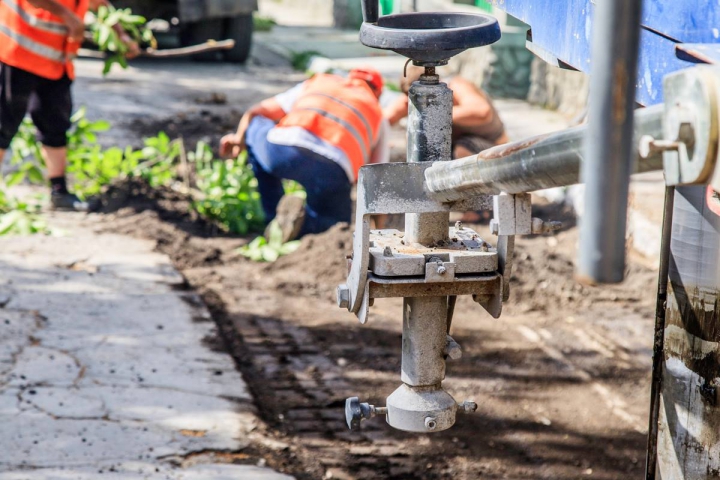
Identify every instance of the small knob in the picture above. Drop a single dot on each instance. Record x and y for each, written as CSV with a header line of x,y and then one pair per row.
x,y
356,412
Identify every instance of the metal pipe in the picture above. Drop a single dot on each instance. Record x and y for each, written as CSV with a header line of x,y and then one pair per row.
x,y
545,161
424,337
429,140
659,338
616,40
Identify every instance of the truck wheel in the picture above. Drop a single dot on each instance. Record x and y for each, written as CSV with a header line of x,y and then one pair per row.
x,y
194,33
240,29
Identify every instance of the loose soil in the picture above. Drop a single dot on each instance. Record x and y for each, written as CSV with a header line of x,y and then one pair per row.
x,y
561,379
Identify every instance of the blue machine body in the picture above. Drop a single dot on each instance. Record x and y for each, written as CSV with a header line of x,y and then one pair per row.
x,y
676,34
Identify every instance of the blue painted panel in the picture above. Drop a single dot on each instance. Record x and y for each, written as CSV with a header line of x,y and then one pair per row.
x,y
700,19
562,27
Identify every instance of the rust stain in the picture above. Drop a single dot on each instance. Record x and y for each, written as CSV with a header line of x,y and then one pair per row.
x,y
193,433
502,151
619,92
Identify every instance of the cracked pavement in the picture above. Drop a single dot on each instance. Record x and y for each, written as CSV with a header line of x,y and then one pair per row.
x,y
103,369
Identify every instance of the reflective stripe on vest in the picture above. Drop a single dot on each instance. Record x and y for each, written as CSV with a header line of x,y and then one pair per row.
x,y
368,128
363,146
33,21
344,113
35,40
33,46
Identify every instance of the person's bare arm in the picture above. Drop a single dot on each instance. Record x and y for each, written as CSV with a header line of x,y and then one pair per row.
x,y
76,27
397,110
232,145
471,107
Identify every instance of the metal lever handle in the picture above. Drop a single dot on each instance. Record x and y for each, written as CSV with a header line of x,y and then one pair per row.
x,y
370,10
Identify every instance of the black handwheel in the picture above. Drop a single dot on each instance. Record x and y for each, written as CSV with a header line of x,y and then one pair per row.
x,y
194,33
240,29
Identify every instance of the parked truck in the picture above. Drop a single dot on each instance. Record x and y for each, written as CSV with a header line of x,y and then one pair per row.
x,y
197,21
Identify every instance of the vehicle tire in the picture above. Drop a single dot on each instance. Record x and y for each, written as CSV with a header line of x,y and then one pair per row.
x,y
240,29
194,33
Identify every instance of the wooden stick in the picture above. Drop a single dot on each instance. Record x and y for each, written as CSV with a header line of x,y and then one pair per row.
x,y
209,46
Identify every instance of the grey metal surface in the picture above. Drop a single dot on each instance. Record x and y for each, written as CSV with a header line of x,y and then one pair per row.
x,y
606,173
545,161
384,287
689,433
691,124
391,256
423,341
422,410
427,37
429,140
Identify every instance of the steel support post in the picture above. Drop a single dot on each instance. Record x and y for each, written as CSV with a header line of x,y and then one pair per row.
x,y
421,405
616,38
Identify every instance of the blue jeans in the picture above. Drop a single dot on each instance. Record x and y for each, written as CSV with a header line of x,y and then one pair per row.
x,y
326,183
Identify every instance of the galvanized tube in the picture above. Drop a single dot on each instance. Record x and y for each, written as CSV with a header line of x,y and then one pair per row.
x,y
425,319
423,341
616,39
429,140
659,337
545,161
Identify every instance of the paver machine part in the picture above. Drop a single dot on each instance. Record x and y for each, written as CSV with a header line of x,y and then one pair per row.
x,y
423,263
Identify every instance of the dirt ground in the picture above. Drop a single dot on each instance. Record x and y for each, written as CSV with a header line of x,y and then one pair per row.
x,y
561,379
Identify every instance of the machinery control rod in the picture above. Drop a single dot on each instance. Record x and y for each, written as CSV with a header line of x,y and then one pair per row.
x,y
545,161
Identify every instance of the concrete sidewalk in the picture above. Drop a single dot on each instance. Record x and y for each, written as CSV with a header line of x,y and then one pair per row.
x,y
103,369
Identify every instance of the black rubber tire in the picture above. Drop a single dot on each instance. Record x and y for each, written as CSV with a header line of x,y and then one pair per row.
x,y
200,32
240,29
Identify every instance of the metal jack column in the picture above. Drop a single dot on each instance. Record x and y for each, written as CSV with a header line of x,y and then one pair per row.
x,y
430,263
420,404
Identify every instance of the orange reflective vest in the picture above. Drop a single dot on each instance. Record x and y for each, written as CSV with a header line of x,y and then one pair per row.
x,y
343,112
35,40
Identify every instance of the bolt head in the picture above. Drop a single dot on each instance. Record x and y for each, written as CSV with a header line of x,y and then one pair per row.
x,y
343,296
430,423
494,227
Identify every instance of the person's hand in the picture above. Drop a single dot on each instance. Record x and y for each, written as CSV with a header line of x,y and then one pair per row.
x,y
75,25
232,145
133,49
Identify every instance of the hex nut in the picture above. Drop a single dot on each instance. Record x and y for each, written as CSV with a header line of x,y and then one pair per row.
x,y
343,296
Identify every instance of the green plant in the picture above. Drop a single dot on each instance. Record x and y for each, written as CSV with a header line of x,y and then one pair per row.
x,y
228,191
268,249
105,34
301,60
263,24
20,217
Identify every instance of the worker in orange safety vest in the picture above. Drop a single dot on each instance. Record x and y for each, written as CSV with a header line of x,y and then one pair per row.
x,y
38,41
318,133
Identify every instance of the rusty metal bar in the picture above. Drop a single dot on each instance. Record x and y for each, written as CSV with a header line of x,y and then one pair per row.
x,y
545,161
659,338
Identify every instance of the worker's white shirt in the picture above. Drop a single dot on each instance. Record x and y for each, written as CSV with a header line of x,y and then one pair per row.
x,y
299,137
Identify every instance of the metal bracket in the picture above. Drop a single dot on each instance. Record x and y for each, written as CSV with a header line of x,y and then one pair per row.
x,y
385,189
690,126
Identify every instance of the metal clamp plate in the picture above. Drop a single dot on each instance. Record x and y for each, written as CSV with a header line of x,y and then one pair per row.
x,y
467,252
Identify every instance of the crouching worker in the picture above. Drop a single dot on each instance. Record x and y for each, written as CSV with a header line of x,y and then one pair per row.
x,y
319,133
38,41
